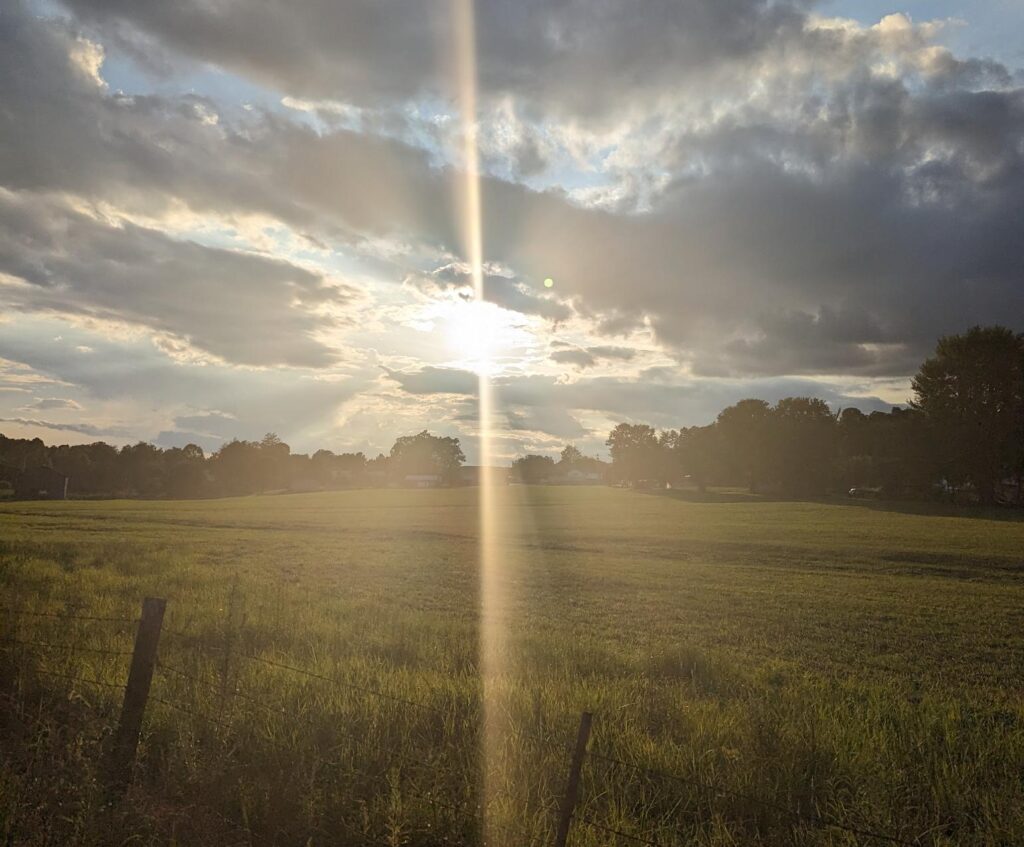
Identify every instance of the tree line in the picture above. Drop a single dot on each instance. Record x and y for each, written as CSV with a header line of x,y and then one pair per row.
x,y
961,435
239,467
963,432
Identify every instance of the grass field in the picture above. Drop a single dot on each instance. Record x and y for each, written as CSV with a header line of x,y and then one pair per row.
x,y
795,665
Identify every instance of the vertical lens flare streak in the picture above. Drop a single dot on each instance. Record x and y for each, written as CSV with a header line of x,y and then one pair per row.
x,y
491,626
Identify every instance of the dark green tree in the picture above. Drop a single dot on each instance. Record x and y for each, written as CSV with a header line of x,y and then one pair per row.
x,y
426,454
636,453
803,445
972,394
273,461
533,468
185,470
745,431
570,456
698,451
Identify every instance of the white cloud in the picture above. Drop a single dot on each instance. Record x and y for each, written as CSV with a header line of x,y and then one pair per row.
x,y
738,190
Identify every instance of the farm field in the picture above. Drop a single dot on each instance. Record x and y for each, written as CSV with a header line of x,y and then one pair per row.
x,y
760,672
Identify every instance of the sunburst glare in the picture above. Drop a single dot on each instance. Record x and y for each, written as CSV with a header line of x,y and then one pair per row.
x,y
482,337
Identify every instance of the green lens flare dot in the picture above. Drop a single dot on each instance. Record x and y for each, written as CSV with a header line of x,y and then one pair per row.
x,y
549,283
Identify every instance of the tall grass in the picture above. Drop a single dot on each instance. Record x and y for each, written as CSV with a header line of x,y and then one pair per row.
x,y
758,672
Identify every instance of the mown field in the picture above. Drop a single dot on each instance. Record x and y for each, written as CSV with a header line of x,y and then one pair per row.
x,y
760,672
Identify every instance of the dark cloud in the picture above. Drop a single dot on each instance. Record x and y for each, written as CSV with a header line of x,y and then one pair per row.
x,y
43,404
62,131
176,438
605,351
431,380
578,356
829,220
664,402
215,424
573,55
244,308
509,293
249,402
587,357
84,429
549,420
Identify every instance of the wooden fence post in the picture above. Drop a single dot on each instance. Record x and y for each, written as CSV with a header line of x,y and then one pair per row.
x,y
232,623
572,788
136,692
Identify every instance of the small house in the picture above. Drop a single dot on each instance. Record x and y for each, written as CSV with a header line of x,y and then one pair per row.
x,y
423,480
582,477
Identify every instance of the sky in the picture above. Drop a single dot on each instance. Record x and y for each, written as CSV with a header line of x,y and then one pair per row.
x,y
220,219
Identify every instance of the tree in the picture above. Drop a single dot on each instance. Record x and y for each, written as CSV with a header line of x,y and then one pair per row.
x,y
426,454
533,469
236,467
142,469
804,442
972,393
745,431
273,462
350,469
185,470
636,453
698,454
570,456
324,466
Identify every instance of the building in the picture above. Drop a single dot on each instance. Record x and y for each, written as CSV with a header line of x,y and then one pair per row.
x,y
422,480
579,477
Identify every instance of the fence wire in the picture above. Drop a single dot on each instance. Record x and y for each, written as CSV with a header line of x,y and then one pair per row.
x,y
815,818
86,679
67,616
344,684
191,713
73,648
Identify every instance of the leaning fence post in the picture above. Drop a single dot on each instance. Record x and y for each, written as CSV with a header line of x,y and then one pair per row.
x,y
572,788
136,692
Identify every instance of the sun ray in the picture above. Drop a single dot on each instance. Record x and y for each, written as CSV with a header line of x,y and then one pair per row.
x,y
491,624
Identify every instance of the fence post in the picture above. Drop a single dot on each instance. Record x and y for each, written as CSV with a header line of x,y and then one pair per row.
x,y
572,788
231,624
136,692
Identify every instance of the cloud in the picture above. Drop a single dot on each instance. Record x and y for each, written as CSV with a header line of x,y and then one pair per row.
x,y
214,423
587,357
503,291
42,404
769,195
132,376
432,380
664,399
84,429
175,438
869,176
243,308
548,421
578,356
576,56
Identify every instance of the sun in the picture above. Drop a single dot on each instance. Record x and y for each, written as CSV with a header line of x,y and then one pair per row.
x,y
480,335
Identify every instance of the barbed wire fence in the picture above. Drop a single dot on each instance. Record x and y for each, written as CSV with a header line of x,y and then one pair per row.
x,y
212,667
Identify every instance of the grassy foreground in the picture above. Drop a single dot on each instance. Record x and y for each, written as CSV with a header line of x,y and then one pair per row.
x,y
790,665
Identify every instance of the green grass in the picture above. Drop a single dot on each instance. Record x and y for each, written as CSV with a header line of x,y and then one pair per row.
x,y
852,659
